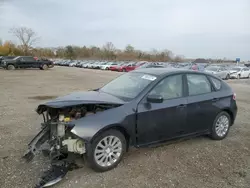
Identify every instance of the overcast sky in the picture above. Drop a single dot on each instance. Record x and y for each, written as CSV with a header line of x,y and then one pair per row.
x,y
193,28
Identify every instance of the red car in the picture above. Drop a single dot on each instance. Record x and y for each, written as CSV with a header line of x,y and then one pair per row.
x,y
131,66
116,67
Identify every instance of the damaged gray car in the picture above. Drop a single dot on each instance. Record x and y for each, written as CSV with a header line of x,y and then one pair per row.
x,y
139,108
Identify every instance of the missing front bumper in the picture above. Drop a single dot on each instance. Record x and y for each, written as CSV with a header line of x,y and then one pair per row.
x,y
61,151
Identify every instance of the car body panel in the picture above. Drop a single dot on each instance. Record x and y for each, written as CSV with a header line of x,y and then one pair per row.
x,y
89,126
89,97
160,121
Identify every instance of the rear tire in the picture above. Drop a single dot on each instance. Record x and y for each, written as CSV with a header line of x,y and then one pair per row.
x,y
124,70
45,67
227,77
106,150
238,77
221,126
11,67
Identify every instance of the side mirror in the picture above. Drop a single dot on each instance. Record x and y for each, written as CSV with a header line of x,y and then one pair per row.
x,y
155,98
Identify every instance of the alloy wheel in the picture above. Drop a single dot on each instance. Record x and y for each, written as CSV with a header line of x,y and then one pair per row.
x,y
222,126
108,151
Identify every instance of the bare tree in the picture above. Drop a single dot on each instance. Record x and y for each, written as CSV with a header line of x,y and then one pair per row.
x,y
26,36
109,46
109,50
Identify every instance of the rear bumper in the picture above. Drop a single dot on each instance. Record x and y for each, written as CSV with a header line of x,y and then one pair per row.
x,y
234,110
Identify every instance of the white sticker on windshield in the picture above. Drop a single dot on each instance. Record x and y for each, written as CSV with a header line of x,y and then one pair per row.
x,y
148,77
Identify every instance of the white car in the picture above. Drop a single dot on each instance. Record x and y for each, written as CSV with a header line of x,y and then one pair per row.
x,y
108,65
240,72
73,64
97,65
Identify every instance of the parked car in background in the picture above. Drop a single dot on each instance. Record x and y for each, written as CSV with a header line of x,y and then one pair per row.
x,y
73,63
87,65
131,66
26,62
95,65
240,72
150,65
117,67
219,71
108,65
5,57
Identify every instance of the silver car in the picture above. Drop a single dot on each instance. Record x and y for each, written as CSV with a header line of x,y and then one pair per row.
x,y
240,72
219,71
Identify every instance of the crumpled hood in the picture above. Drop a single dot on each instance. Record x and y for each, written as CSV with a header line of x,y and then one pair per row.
x,y
77,98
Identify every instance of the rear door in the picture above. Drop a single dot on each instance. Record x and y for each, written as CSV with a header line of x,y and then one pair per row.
x,y
200,108
245,72
160,121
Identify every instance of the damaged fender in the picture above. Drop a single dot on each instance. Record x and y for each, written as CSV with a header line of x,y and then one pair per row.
x,y
89,126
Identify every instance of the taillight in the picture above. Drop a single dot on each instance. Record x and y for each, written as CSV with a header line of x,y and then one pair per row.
x,y
234,96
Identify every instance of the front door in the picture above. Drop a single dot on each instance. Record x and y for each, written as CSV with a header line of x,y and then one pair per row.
x,y
161,121
21,62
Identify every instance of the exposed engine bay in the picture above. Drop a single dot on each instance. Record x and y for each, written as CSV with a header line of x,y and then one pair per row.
x,y
72,112
55,139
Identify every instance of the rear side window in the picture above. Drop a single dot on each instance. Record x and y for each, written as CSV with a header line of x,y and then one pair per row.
x,y
216,82
198,84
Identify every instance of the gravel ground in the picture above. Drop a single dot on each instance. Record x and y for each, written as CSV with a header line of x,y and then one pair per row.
x,y
198,162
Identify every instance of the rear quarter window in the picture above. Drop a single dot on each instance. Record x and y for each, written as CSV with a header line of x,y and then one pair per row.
x,y
216,82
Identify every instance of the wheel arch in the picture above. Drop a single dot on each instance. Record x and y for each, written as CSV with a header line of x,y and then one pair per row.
x,y
230,114
13,64
114,127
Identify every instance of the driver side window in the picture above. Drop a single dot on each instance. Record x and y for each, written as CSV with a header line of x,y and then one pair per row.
x,y
169,88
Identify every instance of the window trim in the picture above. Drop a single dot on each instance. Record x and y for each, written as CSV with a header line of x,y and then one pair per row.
x,y
187,88
183,86
214,88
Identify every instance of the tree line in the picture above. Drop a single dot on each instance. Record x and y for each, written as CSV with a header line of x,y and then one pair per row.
x,y
28,38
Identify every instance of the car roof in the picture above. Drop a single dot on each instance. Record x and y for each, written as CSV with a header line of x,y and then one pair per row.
x,y
164,71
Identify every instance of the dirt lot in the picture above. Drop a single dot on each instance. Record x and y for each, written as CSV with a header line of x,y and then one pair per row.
x,y
199,162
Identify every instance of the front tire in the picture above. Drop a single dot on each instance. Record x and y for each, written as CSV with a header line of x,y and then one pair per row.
x,y
221,126
45,67
238,77
227,77
11,67
106,150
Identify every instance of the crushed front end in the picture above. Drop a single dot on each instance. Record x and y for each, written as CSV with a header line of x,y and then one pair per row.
x,y
55,137
56,140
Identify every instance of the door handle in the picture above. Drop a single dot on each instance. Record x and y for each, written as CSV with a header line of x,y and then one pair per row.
x,y
182,106
215,99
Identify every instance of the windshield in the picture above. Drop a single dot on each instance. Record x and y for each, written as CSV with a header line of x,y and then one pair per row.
x,y
128,85
212,68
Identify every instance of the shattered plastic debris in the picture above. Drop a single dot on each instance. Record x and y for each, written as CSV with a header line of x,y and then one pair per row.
x,y
52,176
56,173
